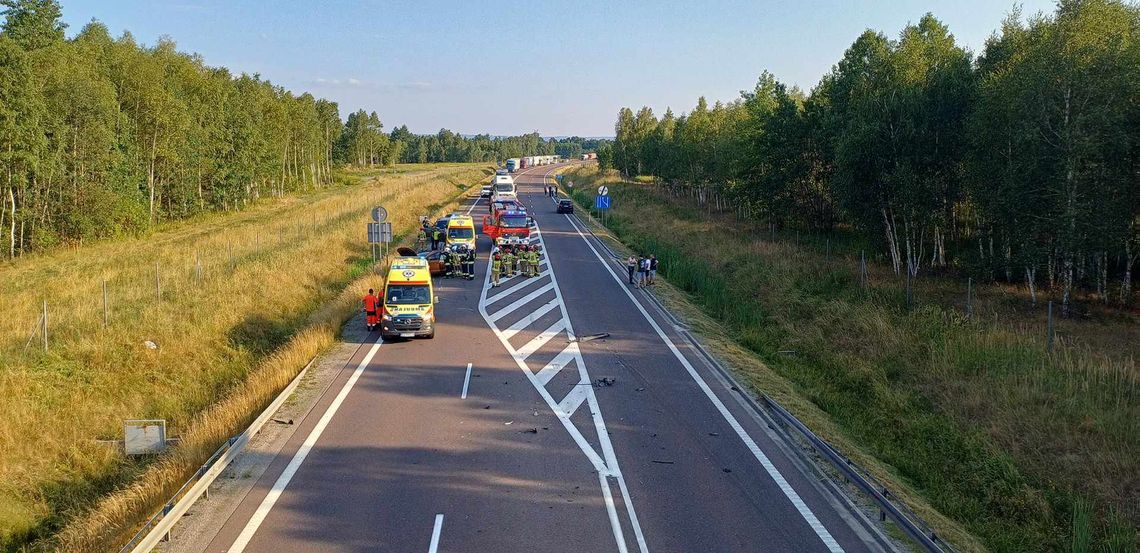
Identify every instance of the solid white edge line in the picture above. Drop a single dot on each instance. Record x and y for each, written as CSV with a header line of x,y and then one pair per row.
x,y
435,532
774,473
278,488
466,382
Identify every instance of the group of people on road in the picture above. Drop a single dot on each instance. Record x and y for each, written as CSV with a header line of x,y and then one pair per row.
x,y
432,234
552,191
642,270
459,262
508,261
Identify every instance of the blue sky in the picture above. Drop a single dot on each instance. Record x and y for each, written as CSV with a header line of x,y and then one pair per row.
x,y
508,67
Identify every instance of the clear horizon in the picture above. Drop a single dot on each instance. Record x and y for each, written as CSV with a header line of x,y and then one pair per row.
x,y
506,68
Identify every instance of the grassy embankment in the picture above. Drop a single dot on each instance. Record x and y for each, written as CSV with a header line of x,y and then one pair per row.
x,y
275,285
1026,450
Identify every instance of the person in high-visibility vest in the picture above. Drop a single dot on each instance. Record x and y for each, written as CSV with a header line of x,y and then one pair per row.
x,y
371,302
469,263
509,261
436,238
534,260
523,261
496,269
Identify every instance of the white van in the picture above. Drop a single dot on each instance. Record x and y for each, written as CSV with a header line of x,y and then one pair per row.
x,y
503,187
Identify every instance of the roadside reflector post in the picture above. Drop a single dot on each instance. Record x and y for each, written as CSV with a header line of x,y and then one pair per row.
x,y
969,298
1049,326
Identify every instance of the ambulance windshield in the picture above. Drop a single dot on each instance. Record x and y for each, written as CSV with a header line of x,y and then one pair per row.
x,y
407,294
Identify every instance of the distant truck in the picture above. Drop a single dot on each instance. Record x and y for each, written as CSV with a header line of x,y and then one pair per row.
x,y
589,156
513,164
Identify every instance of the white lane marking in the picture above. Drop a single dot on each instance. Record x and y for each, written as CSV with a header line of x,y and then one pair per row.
x,y
522,301
541,340
435,532
466,382
561,360
619,535
773,472
574,399
607,467
530,282
474,204
278,488
529,319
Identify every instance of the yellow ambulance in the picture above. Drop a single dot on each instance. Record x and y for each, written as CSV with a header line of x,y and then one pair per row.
x,y
409,300
461,231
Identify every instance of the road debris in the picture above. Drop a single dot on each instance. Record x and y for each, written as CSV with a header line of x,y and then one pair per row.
x,y
150,345
279,421
663,462
604,381
590,337
530,431
509,423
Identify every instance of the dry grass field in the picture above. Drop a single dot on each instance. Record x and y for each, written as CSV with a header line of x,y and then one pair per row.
x,y
1027,450
242,301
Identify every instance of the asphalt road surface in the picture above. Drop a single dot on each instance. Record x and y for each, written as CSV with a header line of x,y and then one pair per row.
x,y
505,433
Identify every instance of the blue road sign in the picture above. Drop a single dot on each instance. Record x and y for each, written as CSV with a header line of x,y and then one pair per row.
x,y
559,177
601,202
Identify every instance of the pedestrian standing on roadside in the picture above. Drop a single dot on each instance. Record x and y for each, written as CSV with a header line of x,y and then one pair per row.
x,y
643,266
652,269
631,267
371,302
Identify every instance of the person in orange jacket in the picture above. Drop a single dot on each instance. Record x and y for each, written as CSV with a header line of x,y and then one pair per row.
x,y
370,304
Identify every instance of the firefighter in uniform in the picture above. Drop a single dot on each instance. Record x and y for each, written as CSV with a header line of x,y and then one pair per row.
x,y
370,304
496,269
469,263
524,260
509,262
534,260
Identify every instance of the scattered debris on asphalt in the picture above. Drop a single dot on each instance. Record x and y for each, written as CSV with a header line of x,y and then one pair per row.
x,y
530,431
713,434
604,381
279,421
509,423
726,469
639,390
663,462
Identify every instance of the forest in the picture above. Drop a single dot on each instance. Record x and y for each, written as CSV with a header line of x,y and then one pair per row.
x,y
103,136
1021,163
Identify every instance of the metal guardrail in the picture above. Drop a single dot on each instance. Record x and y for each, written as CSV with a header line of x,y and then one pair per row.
x,y
915,528
157,527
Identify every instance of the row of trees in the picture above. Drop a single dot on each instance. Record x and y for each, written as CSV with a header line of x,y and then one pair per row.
x,y
1023,163
103,136
100,136
365,143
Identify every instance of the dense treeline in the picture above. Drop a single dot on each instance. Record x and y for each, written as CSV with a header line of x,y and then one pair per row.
x,y
365,143
100,136
1022,164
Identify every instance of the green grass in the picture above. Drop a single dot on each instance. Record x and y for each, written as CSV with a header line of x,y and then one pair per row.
x,y
1029,451
277,281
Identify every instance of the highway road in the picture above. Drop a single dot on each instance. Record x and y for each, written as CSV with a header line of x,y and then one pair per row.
x,y
505,433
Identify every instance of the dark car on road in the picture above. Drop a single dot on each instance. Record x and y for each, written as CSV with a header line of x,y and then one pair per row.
x,y
565,206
